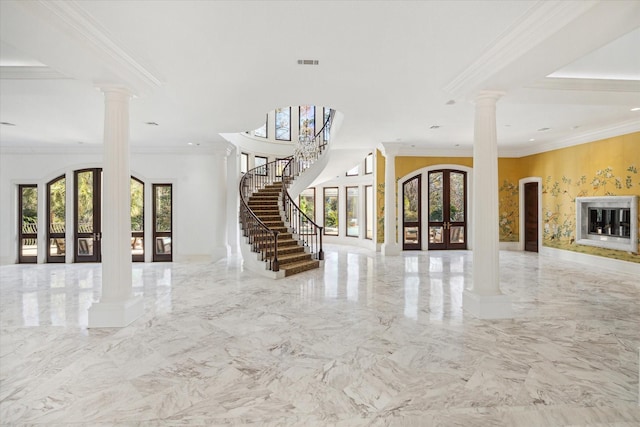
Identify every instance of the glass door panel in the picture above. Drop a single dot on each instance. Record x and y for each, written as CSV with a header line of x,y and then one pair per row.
x,y
411,214
162,222
457,198
447,209
56,219
28,223
87,215
137,220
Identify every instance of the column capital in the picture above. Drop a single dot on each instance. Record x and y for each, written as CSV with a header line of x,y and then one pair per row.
x,y
388,149
488,96
116,89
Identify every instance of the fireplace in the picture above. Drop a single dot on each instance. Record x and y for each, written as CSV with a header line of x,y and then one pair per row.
x,y
608,222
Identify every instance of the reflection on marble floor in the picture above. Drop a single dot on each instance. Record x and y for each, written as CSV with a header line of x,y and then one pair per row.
x,y
368,340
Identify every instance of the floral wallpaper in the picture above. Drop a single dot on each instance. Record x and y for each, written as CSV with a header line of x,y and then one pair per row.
x,y
508,211
559,209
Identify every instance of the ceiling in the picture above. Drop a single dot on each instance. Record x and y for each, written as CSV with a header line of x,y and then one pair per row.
x,y
400,72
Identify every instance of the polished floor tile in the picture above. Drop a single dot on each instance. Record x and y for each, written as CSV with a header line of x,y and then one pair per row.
x,y
367,340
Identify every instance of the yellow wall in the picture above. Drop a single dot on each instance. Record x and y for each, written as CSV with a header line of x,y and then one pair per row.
x,y
404,166
510,171
608,167
605,167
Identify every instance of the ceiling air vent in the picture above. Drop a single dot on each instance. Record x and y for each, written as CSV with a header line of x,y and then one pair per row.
x,y
308,62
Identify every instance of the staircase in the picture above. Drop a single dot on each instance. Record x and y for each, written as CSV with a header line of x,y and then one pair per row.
x,y
292,257
281,240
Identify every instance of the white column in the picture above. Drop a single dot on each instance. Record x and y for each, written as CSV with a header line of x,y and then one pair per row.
x,y
390,246
117,307
233,201
484,298
221,247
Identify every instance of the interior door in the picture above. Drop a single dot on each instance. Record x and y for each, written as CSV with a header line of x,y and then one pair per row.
x,y
531,216
447,209
411,190
87,215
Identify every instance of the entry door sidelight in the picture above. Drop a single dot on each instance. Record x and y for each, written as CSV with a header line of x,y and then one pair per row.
x,y
447,209
87,215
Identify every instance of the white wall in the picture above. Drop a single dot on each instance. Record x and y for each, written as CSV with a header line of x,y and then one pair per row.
x,y
193,173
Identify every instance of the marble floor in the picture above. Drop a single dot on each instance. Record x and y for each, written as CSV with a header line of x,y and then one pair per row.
x,y
368,340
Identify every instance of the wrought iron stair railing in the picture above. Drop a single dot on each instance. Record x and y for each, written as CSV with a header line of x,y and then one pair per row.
x,y
262,239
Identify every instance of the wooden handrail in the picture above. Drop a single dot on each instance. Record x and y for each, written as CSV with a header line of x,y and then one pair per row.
x,y
257,232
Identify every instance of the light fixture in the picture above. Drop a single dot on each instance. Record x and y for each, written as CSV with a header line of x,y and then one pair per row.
x,y
633,109
308,62
435,127
532,139
543,129
451,102
7,124
151,124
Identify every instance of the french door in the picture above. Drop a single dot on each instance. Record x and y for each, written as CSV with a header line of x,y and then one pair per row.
x,y
87,215
411,190
447,209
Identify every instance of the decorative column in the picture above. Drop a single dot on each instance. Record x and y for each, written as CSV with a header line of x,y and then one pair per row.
x,y
221,247
117,307
484,298
233,201
390,246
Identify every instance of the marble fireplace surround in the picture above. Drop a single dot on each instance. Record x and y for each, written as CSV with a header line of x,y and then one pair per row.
x,y
583,237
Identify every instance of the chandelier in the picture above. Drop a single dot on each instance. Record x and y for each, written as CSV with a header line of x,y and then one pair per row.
x,y
306,148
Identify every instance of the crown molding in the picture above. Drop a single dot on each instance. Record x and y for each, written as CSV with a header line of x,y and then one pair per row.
x,y
623,128
30,73
71,18
540,21
598,85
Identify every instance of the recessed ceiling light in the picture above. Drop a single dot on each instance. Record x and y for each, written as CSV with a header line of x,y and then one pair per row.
x,y
633,109
532,139
451,102
574,127
152,124
189,143
308,62
543,129
7,124
435,127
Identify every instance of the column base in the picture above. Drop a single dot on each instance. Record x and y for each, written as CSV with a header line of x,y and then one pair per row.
x,y
115,314
390,249
487,306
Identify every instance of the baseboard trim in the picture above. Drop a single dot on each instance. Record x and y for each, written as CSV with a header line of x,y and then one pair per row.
x,y
616,265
